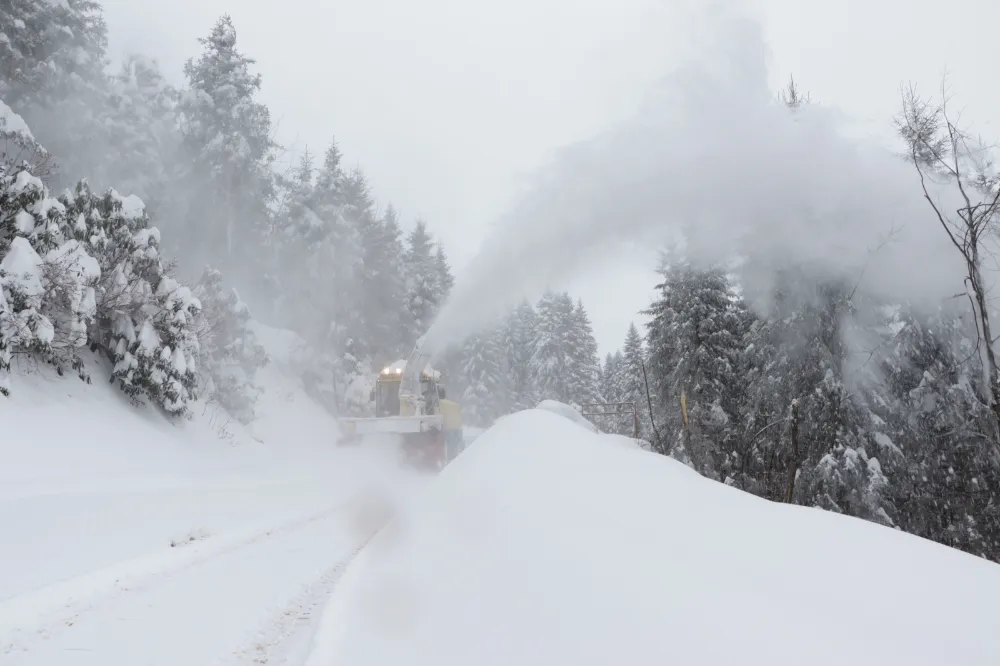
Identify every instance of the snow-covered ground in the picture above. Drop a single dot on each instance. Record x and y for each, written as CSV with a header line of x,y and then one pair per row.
x,y
128,539
545,543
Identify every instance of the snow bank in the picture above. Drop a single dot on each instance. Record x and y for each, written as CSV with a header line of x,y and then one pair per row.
x,y
543,544
567,411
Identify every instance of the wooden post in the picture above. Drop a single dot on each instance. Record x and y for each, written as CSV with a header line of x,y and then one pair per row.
x,y
793,457
652,421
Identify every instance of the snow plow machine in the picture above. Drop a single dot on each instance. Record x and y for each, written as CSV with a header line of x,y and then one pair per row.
x,y
411,408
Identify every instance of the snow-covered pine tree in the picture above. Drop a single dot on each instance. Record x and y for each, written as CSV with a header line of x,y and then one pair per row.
x,y
694,343
229,353
338,257
630,386
301,226
800,353
52,60
297,261
142,136
483,399
384,288
515,335
360,319
608,386
228,151
584,361
445,280
423,284
322,253
50,50
553,347
947,486
392,288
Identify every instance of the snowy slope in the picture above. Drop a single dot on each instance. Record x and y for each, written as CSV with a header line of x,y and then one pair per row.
x,y
547,544
131,539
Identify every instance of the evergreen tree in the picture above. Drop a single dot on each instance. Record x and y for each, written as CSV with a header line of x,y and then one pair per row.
x,y
339,257
52,51
143,133
228,154
553,348
610,384
800,354
947,485
694,342
52,60
445,280
630,386
423,281
384,289
518,348
584,365
229,354
483,397
297,258
392,288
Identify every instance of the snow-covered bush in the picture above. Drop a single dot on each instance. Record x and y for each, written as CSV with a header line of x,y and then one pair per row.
x,y
230,354
145,318
46,279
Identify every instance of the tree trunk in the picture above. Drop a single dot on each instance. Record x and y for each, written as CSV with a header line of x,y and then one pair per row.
x,y
793,457
649,402
992,371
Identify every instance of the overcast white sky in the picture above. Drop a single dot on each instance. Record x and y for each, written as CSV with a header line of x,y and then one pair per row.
x,y
447,103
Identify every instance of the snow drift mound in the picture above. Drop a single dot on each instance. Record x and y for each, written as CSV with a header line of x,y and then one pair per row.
x,y
568,412
544,544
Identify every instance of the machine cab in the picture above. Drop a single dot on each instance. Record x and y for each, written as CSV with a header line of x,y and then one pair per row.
x,y
387,392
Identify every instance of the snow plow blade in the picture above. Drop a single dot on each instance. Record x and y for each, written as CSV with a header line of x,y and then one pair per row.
x,y
421,437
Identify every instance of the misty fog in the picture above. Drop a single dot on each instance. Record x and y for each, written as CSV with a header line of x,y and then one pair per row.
x,y
714,157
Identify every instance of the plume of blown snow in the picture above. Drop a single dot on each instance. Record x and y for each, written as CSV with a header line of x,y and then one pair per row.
x,y
714,157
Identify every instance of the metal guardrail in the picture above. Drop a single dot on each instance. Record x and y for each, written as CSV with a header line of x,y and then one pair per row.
x,y
616,409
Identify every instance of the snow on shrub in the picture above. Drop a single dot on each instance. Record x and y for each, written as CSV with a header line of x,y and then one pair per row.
x,y
145,321
230,354
86,269
47,298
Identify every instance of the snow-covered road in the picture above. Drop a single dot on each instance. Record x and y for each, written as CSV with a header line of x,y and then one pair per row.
x,y
240,598
128,539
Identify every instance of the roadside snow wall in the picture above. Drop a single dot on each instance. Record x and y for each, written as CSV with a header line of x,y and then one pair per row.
x,y
545,544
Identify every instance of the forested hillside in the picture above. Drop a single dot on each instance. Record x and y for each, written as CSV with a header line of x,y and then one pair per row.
x,y
146,222
835,396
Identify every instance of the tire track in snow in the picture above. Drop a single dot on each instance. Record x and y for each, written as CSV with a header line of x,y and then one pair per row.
x,y
56,608
284,639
